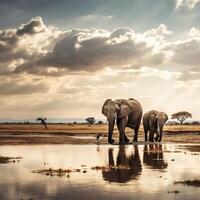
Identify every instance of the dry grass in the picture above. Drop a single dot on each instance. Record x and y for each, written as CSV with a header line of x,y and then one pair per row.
x,y
82,128
59,133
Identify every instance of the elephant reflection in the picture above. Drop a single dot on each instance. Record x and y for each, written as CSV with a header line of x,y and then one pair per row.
x,y
127,167
153,156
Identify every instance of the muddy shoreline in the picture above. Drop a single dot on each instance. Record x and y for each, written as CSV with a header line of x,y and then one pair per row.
x,y
19,134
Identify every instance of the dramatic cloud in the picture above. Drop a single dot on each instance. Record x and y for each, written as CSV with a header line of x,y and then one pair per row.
x,y
25,43
95,49
190,4
37,49
33,27
185,52
46,70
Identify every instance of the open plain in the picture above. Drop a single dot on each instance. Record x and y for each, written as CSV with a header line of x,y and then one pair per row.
x,y
86,134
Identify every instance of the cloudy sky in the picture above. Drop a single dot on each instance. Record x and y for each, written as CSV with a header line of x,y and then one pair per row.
x,y
64,58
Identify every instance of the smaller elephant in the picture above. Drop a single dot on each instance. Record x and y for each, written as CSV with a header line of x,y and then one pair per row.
x,y
153,122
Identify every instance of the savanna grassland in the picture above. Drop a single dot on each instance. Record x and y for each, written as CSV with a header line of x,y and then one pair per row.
x,y
85,134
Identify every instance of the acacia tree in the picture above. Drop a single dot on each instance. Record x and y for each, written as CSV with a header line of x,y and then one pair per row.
x,y
42,121
90,120
181,116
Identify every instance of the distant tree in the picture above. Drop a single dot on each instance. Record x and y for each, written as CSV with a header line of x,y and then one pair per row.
x,y
75,122
195,123
42,121
100,122
181,116
172,123
90,120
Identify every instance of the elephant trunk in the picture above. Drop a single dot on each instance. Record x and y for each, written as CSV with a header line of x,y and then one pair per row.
x,y
111,123
160,127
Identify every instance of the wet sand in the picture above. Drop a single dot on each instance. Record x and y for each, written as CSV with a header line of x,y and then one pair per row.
x,y
14,134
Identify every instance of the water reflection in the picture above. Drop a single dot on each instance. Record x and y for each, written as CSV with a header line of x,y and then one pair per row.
x,y
134,166
127,167
192,148
153,156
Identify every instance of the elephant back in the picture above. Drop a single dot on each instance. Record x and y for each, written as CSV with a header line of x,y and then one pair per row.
x,y
132,99
135,104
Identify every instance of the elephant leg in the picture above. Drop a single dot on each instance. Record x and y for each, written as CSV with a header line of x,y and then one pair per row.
x,y
146,135
152,131
136,134
151,139
121,124
157,135
126,139
136,129
151,134
110,156
160,138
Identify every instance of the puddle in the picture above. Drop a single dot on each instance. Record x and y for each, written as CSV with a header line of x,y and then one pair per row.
x,y
99,172
82,137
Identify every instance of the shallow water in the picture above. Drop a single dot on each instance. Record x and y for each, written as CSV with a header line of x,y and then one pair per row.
x,y
149,172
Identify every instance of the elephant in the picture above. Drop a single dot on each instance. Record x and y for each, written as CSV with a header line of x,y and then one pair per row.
x,y
126,168
153,122
153,156
126,113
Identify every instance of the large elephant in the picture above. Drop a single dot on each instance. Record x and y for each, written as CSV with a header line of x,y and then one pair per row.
x,y
153,122
127,113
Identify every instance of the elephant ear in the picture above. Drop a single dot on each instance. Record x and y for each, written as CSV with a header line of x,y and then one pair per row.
x,y
125,109
105,107
154,116
166,116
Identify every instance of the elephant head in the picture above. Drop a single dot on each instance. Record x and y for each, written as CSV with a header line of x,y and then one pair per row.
x,y
114,110
161,118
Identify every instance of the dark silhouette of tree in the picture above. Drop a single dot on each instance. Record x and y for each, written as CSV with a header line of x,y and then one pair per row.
x,y
42,121
90,120
195,123
181,116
